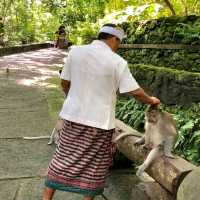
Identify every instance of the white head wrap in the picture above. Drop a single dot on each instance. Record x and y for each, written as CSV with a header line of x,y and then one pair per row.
x,y
116,31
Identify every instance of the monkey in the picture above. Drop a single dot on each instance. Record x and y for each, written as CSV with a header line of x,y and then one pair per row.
x,y
56,132
55,135
159,137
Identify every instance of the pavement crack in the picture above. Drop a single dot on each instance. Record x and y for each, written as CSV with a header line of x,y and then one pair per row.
x,y
22,177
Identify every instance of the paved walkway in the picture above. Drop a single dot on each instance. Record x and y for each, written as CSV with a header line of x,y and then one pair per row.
x,y
24,112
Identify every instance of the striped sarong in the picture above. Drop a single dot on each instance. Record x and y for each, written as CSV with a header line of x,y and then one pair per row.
x,y
82,159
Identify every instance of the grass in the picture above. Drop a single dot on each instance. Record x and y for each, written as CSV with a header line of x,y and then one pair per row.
x,y
54,96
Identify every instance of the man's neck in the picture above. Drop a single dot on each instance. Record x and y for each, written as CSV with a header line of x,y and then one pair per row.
x,y
107,42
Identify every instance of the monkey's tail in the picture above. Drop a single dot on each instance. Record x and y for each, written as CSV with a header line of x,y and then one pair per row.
x,y
123,135
36,137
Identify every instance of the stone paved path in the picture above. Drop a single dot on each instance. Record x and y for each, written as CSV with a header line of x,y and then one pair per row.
x,y
24,112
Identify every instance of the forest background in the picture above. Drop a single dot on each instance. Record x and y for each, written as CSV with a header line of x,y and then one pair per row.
x,y
28,21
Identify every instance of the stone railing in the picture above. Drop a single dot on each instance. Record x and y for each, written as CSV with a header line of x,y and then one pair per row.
x,y
176,56
160,46
24,48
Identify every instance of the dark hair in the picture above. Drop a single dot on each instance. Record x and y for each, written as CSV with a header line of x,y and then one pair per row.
x,y
111,25
105,36
61,27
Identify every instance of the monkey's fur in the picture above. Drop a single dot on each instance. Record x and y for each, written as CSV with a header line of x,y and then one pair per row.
x,y
159,138
54,138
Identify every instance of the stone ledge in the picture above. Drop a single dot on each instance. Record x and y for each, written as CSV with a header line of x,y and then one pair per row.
x,y
159,46
171,86
24,48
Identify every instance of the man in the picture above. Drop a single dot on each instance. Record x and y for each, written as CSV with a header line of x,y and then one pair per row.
x,y
60,38
91,78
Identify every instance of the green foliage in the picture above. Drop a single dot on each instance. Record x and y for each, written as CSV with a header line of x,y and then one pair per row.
x,y
84,33
54,97
188,124
166,30
28,21
131,112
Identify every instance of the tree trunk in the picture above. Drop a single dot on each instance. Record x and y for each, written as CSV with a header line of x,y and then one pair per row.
x,y
185,7
170,6
168,172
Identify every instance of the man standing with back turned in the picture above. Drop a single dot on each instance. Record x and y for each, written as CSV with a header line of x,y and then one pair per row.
x,y
91,78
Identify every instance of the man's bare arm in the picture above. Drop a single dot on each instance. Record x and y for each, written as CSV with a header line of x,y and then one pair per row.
x,y
140,95
65,86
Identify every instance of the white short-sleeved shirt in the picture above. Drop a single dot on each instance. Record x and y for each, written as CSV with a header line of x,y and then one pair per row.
x,y
96,74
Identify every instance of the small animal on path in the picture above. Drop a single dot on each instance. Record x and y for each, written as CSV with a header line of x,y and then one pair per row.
x,y
54,138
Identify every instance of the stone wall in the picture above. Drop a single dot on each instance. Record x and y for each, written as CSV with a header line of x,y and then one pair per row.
x,y
23,48
165,30
164,55
170,85
183,59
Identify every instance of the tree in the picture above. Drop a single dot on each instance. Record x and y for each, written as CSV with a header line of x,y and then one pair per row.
x,y
169,5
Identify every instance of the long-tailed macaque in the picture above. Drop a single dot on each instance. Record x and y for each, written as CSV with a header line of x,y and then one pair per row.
x,y
54,138
55,135
160,135
159,138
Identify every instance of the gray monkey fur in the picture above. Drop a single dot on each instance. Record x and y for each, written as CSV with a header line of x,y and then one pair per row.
x,y
54,138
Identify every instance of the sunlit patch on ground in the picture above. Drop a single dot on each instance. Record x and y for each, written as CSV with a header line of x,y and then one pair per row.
x,y
35,81
34,67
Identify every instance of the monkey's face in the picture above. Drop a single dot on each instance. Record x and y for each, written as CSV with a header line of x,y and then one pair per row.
x,y
152,115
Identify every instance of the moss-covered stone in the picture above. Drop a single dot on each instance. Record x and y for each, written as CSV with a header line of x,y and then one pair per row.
x,y
189,188
170,85
175,29
165,30
171,58
23,48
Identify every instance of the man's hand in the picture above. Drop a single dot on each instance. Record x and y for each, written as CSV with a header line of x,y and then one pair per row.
x,y
155,101
141,96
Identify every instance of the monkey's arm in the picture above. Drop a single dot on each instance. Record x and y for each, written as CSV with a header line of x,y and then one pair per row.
x,y
140,95
65,86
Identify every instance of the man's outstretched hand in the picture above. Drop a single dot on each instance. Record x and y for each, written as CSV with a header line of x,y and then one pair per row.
x,y
155,101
